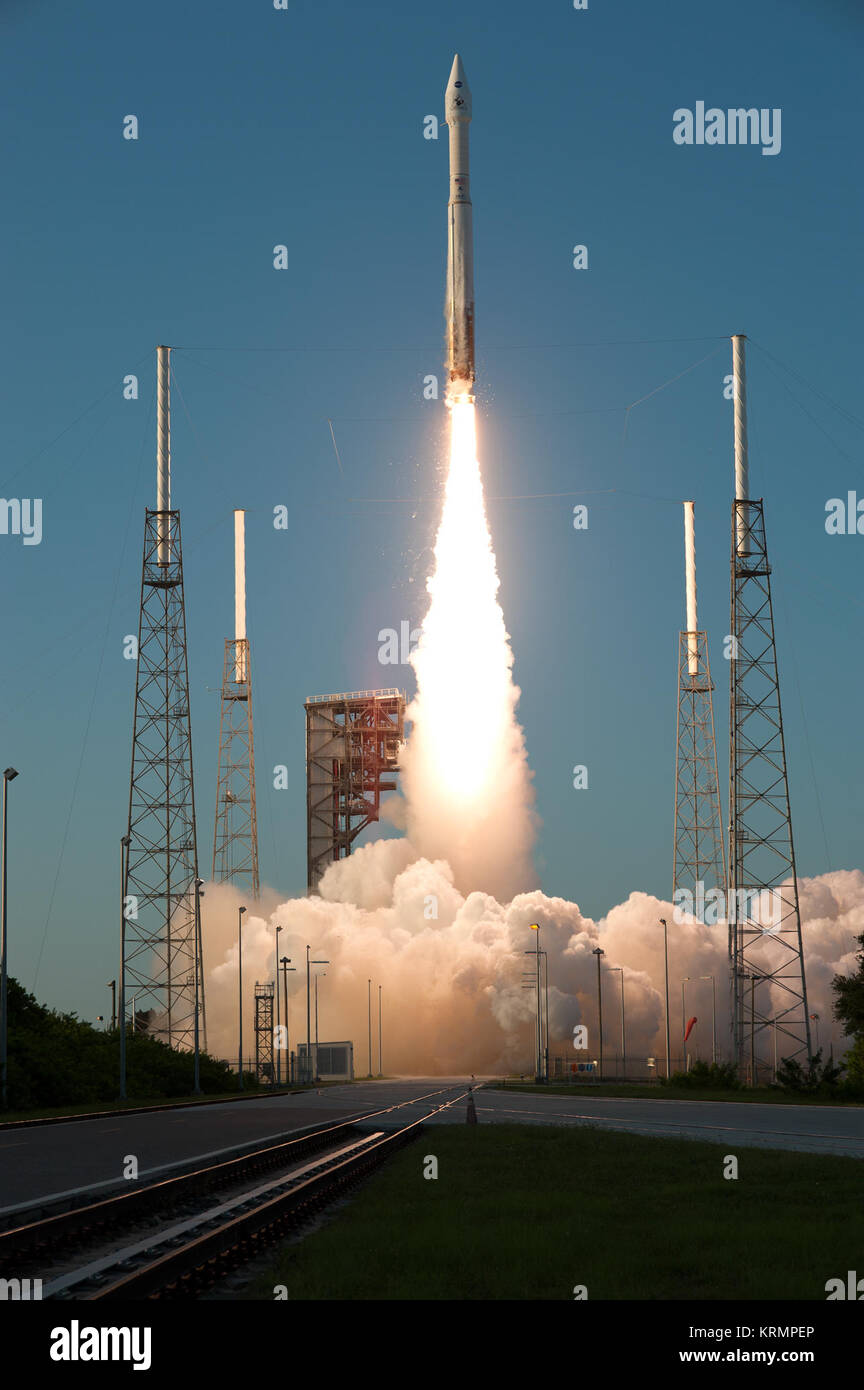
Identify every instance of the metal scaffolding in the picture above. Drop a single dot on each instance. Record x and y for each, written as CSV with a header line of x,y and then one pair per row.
x,y
699,855
162,958
765,945
235,836
264,1032
352,747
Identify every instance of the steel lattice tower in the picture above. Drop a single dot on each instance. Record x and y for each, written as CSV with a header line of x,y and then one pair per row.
x,y
264,1032
765,945
235,838
162,957
699,860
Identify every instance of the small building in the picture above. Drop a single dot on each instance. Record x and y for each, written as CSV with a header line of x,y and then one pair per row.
x,y
335,1062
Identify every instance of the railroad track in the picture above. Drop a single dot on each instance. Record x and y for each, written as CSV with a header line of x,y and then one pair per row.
x,y
209,1221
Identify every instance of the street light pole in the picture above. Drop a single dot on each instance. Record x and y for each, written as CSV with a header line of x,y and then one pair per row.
x,y
317,977
713,1017
286,966
535,926
380,1073
546,993
278,1066
240,912
124,869
620,970
8,776
754,980
815,1018
196,1082
683,1009
309,1013
598,953
685,980
666,958
369,1001
112,985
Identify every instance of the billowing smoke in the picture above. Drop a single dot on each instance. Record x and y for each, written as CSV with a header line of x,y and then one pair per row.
x,y
441,919
451,966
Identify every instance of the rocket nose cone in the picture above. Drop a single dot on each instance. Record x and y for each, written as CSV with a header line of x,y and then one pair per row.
x,y
457,98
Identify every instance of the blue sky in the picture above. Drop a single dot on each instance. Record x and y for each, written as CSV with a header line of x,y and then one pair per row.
x,y
305,128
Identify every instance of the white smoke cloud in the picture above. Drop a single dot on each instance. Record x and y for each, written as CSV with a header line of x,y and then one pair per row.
x,y
453,1000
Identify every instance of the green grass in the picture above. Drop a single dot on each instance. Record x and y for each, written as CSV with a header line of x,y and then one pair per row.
x,y
763,1095
523,1212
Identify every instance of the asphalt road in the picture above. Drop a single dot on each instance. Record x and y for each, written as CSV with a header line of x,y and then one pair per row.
x,y
56,1159
809,1128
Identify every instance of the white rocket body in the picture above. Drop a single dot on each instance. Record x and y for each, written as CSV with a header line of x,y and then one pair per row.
x,y
459,307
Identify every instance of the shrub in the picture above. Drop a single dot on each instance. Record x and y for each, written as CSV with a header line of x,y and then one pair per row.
x,y
714,1076
817,1077
55,1059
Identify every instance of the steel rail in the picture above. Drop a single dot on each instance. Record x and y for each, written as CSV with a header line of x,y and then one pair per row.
x,y
53,1231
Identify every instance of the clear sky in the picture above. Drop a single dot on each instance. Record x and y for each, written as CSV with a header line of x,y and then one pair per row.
x,y
305,127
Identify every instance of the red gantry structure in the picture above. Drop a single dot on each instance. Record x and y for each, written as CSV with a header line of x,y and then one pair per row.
x,y
352,754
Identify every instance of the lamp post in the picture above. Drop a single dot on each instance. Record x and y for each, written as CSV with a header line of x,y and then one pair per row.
x,y
240,912
278,1069
308,1011
124,869
598,952
380,1073
535,926
369,1002
666,958
317,978
754,981
713,1017
685,980
8,776
112,985
620,970
286,966
196,1083
546,1014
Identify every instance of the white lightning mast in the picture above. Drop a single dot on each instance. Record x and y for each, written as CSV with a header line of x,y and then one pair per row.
x,y
698,865
235,838
240,594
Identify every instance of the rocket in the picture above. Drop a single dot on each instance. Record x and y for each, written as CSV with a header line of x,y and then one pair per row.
x,y
459,306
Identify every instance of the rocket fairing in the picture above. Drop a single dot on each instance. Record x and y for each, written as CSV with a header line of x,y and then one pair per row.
x,y
459,307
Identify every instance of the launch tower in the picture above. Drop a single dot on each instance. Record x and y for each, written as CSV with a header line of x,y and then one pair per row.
x,y
768,986
352,751
162,959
